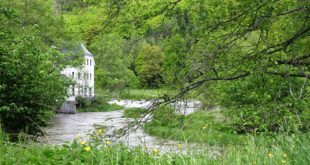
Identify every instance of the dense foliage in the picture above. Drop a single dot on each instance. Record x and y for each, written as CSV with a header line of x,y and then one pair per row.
x,y
149,66
248,59
31,87
113,63
251,57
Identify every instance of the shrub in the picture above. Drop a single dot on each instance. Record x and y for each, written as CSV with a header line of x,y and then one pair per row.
x,y
149,66
31,87
99,104
83,102
134,112
264,103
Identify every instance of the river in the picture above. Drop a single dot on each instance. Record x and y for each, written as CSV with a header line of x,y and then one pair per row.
x,y
66,127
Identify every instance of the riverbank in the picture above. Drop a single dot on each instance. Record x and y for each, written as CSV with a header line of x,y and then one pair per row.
x,y
140,148
66,127
279,150
209,127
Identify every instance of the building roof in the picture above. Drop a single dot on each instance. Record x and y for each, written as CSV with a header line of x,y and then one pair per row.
x,y
85,50
73,49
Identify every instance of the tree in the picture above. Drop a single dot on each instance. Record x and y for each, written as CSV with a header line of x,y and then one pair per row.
x,y
236,54
175,67
112,63
149,66
31,87
259,46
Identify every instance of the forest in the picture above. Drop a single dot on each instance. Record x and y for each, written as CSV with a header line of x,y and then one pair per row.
x,y
246,61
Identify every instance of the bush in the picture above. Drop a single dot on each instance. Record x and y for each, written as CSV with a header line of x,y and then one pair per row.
x,y
99,104
31,87
202,126
135,112
83,102
149,66
166,116
263,103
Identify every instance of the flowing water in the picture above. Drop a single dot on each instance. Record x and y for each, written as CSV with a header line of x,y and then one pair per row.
x,y
66,127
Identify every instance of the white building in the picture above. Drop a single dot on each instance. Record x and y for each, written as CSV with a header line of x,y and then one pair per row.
x,y
84,78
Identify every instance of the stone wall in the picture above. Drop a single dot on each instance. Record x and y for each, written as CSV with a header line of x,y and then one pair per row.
x,y
68,107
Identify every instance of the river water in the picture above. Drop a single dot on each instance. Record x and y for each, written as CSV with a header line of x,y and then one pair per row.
x,y
67,127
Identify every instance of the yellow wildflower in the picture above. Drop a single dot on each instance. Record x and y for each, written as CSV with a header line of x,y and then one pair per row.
x,y
108,142
100,131
205,127
284,155
254,162
87,149
270,154
283,161
82,142
180,145
155,151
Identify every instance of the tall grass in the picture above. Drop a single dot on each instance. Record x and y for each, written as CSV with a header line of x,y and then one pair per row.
x,y
281,149
202,126
86,153
135,113
265,150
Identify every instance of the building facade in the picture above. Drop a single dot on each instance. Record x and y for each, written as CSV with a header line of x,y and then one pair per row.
x,y
84,81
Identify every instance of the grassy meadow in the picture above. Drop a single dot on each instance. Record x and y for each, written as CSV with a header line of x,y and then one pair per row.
x,y
141,94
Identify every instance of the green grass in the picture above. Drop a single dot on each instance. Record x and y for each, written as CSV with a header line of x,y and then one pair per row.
x,y
146,94
75,154
202,126
100,104
134,112
262,150
100,152
267,149
102,107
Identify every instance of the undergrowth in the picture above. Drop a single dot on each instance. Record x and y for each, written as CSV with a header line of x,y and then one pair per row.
x,y
280,149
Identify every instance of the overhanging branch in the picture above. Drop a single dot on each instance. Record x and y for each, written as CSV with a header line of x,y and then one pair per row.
x,y
307,75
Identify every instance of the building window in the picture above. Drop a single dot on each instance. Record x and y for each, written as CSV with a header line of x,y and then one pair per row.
x,y
85,91
87,62
89,76
72,74
90,92
90,62
73,90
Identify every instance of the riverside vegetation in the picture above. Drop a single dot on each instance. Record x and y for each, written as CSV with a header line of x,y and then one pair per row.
x,y
249,58
278,149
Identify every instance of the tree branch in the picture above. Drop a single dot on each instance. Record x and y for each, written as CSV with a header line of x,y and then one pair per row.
x,y
307,75
286,43
296,61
